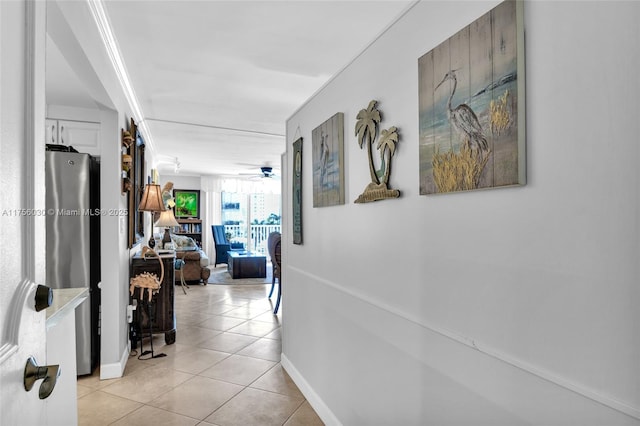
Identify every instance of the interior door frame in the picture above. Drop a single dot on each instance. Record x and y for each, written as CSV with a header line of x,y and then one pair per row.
x,y
32,194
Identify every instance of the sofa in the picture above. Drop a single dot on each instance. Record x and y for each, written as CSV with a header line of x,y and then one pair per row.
x,y
196,262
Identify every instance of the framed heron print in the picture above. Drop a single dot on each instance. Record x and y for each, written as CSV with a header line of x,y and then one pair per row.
x,y
471,106
327,144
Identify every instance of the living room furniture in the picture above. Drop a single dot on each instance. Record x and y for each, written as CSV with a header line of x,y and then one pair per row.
x,y
144,288
166,221
190,228
193,269
223,245
274,246
151,201
242,264
196,262
161,317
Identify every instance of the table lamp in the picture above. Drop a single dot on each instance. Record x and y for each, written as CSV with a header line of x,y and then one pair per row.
x,y
167,219
151,201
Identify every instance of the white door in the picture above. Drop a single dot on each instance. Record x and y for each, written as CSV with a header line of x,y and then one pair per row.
x,y
22,224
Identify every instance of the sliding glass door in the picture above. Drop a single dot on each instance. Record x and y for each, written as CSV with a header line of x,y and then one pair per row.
x,y
250,218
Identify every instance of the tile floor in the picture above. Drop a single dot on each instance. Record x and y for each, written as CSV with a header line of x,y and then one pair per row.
x,y
223,370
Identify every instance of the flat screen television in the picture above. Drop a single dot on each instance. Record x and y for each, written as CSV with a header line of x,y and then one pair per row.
x,y
187,203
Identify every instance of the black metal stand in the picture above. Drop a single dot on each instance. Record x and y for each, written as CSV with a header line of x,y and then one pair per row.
x,y
142,301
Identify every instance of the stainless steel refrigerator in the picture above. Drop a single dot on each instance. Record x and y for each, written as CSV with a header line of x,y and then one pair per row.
x,y
73,241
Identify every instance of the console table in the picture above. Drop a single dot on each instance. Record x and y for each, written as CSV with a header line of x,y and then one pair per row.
x,y
242,264
162,316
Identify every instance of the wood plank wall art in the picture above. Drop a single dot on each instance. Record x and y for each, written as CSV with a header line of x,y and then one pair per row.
x,y
327,144
471,106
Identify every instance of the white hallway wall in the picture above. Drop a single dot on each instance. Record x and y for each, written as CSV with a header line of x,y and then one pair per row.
x,y
501,307
74,30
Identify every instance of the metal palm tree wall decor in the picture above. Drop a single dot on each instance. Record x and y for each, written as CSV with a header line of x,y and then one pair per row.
x,y
367,123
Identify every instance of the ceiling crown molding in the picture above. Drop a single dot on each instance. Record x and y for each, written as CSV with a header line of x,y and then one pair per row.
x,y
111,45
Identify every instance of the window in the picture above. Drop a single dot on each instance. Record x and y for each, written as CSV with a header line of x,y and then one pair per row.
x,y
250,218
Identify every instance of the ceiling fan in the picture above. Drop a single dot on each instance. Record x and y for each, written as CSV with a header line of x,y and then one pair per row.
x,y
266,172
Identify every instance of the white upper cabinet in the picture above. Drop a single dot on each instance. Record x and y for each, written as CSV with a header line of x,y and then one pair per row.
x,y
82,135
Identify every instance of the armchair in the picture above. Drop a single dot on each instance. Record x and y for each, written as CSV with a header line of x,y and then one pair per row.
x,y
222,245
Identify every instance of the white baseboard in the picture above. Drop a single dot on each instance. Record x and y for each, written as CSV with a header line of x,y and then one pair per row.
x,y
323,411
116,369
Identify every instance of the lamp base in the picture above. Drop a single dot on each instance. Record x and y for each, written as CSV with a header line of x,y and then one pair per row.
x,y
152,242
166,238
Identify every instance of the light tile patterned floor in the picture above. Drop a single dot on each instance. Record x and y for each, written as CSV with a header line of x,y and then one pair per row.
x,y
223,370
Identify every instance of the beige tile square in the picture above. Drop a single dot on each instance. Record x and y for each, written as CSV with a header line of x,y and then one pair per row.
x,y
99,408
197,397
228,342
246,312
277,380
222,323
172,349
192,336
304,416
186,317
264,302
199,299
83,390
238,369
268,349
269,316
220,308
254,328
135,364
237,297
193,361
146,385
93,380
275,334
255,407
153,416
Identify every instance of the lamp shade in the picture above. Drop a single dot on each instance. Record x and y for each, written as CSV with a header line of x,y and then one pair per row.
x,y
151,199
167,219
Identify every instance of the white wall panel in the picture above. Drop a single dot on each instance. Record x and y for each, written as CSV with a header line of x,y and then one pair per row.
x,y
541,279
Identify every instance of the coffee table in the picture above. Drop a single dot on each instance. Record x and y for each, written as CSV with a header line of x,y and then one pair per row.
x,y
244,264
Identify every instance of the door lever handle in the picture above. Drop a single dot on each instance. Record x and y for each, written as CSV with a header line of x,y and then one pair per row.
x,y
44,297
32,373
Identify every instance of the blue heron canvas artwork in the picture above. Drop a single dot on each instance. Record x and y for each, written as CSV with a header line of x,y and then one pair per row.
x,y
471,106
327,144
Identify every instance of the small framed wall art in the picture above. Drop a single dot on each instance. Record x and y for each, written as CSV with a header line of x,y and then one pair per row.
x,y
327,143
297,191
187,203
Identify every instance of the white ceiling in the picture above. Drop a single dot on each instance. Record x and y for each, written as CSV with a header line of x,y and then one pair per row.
x,y
216,80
